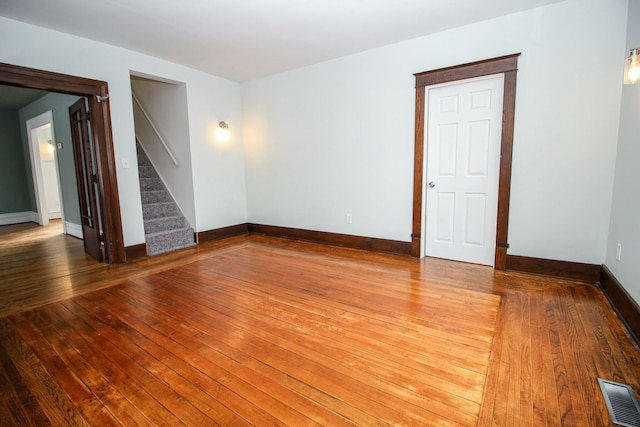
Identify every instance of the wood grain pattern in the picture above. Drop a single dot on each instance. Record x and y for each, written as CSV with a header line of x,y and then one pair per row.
x,y
506,160
466,71
42,399
624,305
260,331
107,184
38,79
40,265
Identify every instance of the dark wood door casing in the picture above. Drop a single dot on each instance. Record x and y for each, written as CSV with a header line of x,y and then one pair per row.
x,y
507,65
97,93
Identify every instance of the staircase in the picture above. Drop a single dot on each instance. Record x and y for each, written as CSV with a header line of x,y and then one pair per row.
x,y
165,227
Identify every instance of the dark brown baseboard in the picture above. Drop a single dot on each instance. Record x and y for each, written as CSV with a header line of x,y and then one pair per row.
x,y
415,245
221,233
549,267
500,258
623,304
346,240
135,252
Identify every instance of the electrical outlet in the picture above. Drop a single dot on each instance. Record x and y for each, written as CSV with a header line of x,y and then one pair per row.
x,y
349,218
619,252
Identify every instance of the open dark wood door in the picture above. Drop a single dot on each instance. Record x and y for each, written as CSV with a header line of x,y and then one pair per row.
x,y
87,178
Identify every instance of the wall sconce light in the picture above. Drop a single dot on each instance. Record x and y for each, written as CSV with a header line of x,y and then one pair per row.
x,y
223,133
632,67
50,146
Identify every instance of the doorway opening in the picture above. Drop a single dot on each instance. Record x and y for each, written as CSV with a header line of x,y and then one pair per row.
x,y
161,122
508,66
44,168
96,93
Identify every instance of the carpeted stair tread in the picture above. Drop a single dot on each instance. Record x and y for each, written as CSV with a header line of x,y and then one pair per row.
x,y
165,227
159,210
167,241
155,196
151,184
163,233
167,223
147,171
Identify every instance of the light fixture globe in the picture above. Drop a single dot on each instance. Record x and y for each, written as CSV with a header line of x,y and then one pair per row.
x,y
632,67
223,134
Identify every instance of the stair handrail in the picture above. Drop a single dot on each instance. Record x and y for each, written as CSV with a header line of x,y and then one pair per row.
x,y
146,115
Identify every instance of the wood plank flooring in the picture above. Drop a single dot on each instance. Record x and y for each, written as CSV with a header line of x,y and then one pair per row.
x,y
262,331
39,265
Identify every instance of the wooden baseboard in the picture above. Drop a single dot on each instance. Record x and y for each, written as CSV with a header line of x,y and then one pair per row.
x,y
357,242
135,252
221,233
623,304
549,267
346,240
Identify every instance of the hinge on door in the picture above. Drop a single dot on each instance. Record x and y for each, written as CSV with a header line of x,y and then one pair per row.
x,y
95,178
101,238
102,98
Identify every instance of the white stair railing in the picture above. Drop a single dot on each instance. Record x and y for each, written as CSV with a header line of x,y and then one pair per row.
x,y
146,115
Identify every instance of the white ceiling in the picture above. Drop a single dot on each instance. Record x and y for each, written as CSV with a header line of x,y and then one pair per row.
x,y
246,39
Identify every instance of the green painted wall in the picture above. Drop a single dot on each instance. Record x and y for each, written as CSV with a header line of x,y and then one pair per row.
x,y
14,186
59,105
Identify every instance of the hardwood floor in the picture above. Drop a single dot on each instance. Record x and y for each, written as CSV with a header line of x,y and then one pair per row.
x,y
261,331
39,265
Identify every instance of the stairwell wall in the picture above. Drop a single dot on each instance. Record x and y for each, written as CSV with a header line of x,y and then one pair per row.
x,y
166,104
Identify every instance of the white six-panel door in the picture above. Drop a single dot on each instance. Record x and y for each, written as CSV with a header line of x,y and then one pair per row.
x,y
464,122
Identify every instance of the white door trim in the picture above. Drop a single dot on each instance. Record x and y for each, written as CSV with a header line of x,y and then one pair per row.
x,y
32,124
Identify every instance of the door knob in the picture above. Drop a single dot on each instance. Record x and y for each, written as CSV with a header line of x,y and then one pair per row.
x,y
431,184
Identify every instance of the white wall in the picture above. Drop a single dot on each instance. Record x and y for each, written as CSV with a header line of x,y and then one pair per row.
x,y
625,221
337,137
218,167
218,172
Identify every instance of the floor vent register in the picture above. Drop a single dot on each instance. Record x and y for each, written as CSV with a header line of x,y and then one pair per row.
x,y
621,402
